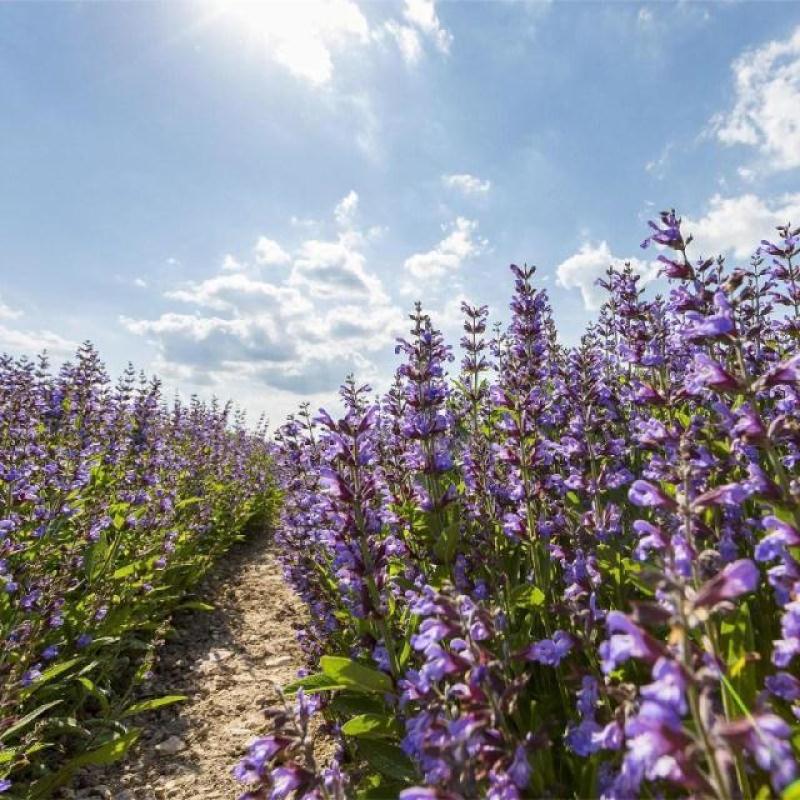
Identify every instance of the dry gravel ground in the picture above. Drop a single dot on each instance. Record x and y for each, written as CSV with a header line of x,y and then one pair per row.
x,y
229,662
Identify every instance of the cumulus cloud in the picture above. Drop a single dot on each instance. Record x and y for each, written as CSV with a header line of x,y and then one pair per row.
x,y
766,112
6,312
213,343
582,269
460,245
25,342
301,332
466,183
420,23
240,294
18,341
346,208
268,252
736,225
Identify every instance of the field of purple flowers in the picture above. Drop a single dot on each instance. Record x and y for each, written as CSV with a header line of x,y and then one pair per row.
x,y
568,572
112,505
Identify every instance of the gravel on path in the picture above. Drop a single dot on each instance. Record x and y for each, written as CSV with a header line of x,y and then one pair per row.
x,y
229,662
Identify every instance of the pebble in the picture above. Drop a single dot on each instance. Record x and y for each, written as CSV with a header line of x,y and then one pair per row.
x,y
171,746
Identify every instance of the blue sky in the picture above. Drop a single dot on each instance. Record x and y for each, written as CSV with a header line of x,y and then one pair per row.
x,y
248,198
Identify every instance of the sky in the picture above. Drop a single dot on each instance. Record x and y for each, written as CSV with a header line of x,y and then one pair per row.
x,y
247,199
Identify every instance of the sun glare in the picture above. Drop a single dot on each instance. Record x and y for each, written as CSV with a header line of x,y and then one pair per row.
x,y
299,35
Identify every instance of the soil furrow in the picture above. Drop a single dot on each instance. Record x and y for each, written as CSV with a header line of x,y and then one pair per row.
x,y
229,662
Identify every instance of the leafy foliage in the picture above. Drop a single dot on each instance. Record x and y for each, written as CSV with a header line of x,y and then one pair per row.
x,y
112,506
574,569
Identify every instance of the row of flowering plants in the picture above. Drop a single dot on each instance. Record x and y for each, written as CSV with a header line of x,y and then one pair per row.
x,y
560,572
113,504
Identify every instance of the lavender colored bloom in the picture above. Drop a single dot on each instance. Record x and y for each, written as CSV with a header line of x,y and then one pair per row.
x,y
784,685
645,494
789,646
626,641
738,578
550,652
774,544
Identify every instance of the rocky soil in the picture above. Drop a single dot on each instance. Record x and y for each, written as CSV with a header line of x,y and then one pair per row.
x,y
229,663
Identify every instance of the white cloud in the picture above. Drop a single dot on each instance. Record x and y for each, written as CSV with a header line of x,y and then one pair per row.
x,y
307,37
738,224
269,252
18,342
421,22
658,166
466,183
346,208
232,264
238,294
6,312
766,114
29,342
408,40
303,36
582,269
422,14
746,174
140,283
302,332
447,256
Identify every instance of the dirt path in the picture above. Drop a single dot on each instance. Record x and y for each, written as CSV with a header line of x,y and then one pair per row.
x,y
228,662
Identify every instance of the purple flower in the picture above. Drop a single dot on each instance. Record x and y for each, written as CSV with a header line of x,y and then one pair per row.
x,y
550,651
774,544
642,493
789,646
626,641
784,685
428,793
707,373
285,780
738,578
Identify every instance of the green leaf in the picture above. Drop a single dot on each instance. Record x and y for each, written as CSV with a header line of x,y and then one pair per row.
x,y
6,756
371,725
194,605
312,684
51,674
151,705
792,791
350,673
105,754
348,704
383,791
94,691
26,720
527,597
128,569
388,759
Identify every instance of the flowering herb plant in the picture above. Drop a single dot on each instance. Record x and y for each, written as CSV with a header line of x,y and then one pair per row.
x,y
565,571
112,505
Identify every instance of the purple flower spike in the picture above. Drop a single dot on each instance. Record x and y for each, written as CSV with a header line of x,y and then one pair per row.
x,y
774,544
738,578
787,372
428,793
550,651
627,640
645,494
